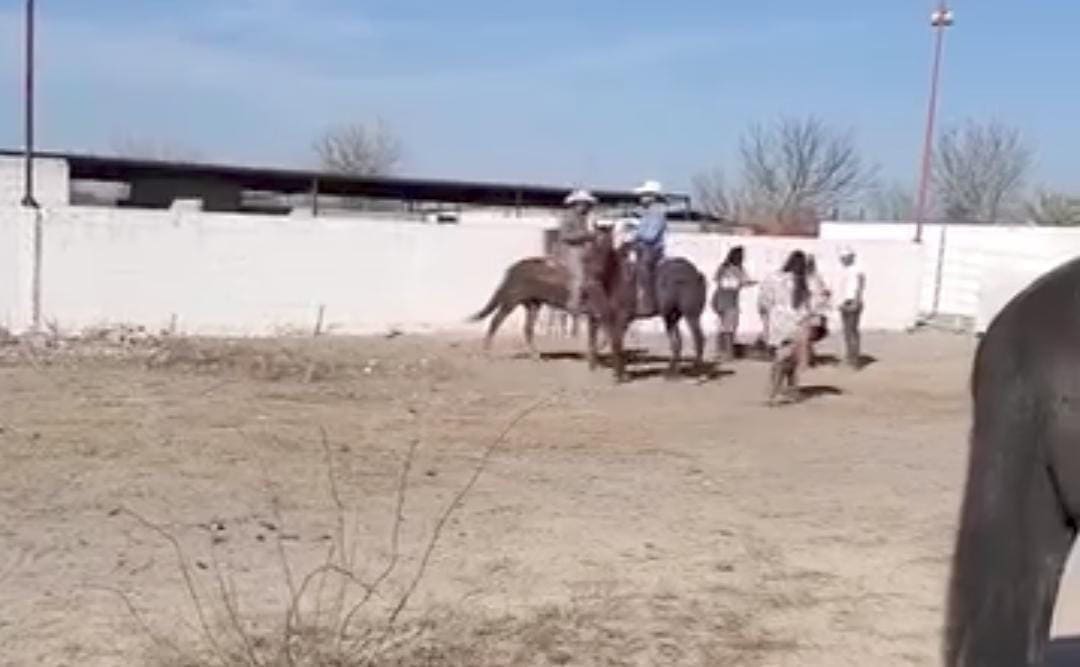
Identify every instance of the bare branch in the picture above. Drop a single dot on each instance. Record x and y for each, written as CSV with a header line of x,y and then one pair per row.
x,y
800,168
160,640
189,579
1054,209
456,502
359,149
894,203
715,197
395,539
980,170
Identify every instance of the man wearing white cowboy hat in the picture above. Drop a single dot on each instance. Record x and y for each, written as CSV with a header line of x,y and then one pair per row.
x,y
649,243
575,231
852,287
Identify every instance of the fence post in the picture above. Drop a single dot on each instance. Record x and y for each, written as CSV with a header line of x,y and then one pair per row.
x,y
939,272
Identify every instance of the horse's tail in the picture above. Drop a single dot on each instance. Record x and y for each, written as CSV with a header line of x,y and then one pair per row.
x,y
1014,535
490,307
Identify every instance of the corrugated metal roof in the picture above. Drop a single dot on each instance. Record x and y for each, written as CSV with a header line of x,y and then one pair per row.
x,y
103,168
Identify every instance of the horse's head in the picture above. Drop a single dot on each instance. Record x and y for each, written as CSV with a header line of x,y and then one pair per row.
x,y
609,273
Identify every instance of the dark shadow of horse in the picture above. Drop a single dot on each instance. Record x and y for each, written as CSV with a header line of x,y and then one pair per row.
x,y
1021,502
810,392
864,361
654,366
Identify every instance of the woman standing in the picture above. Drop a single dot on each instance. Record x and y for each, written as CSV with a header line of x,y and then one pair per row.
x,y
820,298
787,304
731,278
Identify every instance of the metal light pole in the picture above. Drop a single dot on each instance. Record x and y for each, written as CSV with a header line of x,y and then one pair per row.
x,y
28,110
941,19
28,200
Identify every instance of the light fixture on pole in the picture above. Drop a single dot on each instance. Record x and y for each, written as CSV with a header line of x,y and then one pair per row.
x,y
940,20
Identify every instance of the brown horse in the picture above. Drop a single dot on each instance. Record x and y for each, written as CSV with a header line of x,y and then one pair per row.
x,y
1021,503
611,289
532,282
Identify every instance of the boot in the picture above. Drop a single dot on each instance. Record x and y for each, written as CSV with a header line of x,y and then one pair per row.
x,y
727,347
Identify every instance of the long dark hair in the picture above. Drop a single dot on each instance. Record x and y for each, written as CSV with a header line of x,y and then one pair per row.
x,y
734,258
797,266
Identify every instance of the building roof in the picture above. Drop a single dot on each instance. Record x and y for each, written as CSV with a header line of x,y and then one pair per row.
x,y
292,181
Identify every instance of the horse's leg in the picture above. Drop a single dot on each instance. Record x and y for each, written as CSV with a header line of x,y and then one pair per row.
x,y
699,342
618,356
1015,531
671,323
590,328
496,322
532,309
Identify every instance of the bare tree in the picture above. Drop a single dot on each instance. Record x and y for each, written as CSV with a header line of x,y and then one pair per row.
x,y
715,197
1054,209
894,203
980,170
144,148
799,169
359,149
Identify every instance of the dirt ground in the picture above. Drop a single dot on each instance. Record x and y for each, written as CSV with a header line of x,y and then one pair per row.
x,y
655,523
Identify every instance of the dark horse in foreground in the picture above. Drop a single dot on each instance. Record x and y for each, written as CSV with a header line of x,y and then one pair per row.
x,y
1021,501
612,298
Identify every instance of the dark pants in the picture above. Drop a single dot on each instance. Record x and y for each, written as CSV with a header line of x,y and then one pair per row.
x,y
850,314
648,256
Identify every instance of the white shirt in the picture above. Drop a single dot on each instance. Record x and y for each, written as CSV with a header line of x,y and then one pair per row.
x,y
849,281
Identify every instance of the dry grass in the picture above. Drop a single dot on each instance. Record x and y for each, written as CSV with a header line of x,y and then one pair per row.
x,y
330,617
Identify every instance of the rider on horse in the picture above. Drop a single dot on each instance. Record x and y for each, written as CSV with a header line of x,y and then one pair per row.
x,y
649,244
575,230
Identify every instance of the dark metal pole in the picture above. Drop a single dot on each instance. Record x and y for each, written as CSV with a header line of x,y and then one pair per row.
x,y
28,156
941,20
314,197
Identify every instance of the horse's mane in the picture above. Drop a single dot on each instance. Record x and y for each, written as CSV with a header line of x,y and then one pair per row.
x,y
606,264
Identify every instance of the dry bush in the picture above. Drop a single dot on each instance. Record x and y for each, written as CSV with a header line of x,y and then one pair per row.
x,y
260,360
333,615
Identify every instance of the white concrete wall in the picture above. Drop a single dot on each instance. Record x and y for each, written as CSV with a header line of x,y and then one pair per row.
x,y
983,265
16,267
51,184
245,274
224,274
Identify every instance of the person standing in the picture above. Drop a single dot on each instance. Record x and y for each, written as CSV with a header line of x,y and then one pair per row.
x,y
731,279
789,315
852,292
649,244
575,230
820,300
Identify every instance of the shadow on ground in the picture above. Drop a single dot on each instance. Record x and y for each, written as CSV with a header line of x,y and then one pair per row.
x,y
833,360
808,392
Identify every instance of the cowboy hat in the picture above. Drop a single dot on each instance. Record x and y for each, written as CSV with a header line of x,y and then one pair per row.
x,y
649,188
579,197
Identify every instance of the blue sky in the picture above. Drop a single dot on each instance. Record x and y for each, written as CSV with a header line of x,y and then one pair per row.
x,y
604,92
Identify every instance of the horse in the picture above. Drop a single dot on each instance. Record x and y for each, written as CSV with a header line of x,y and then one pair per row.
x,y
531,282
611,288
1021,501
